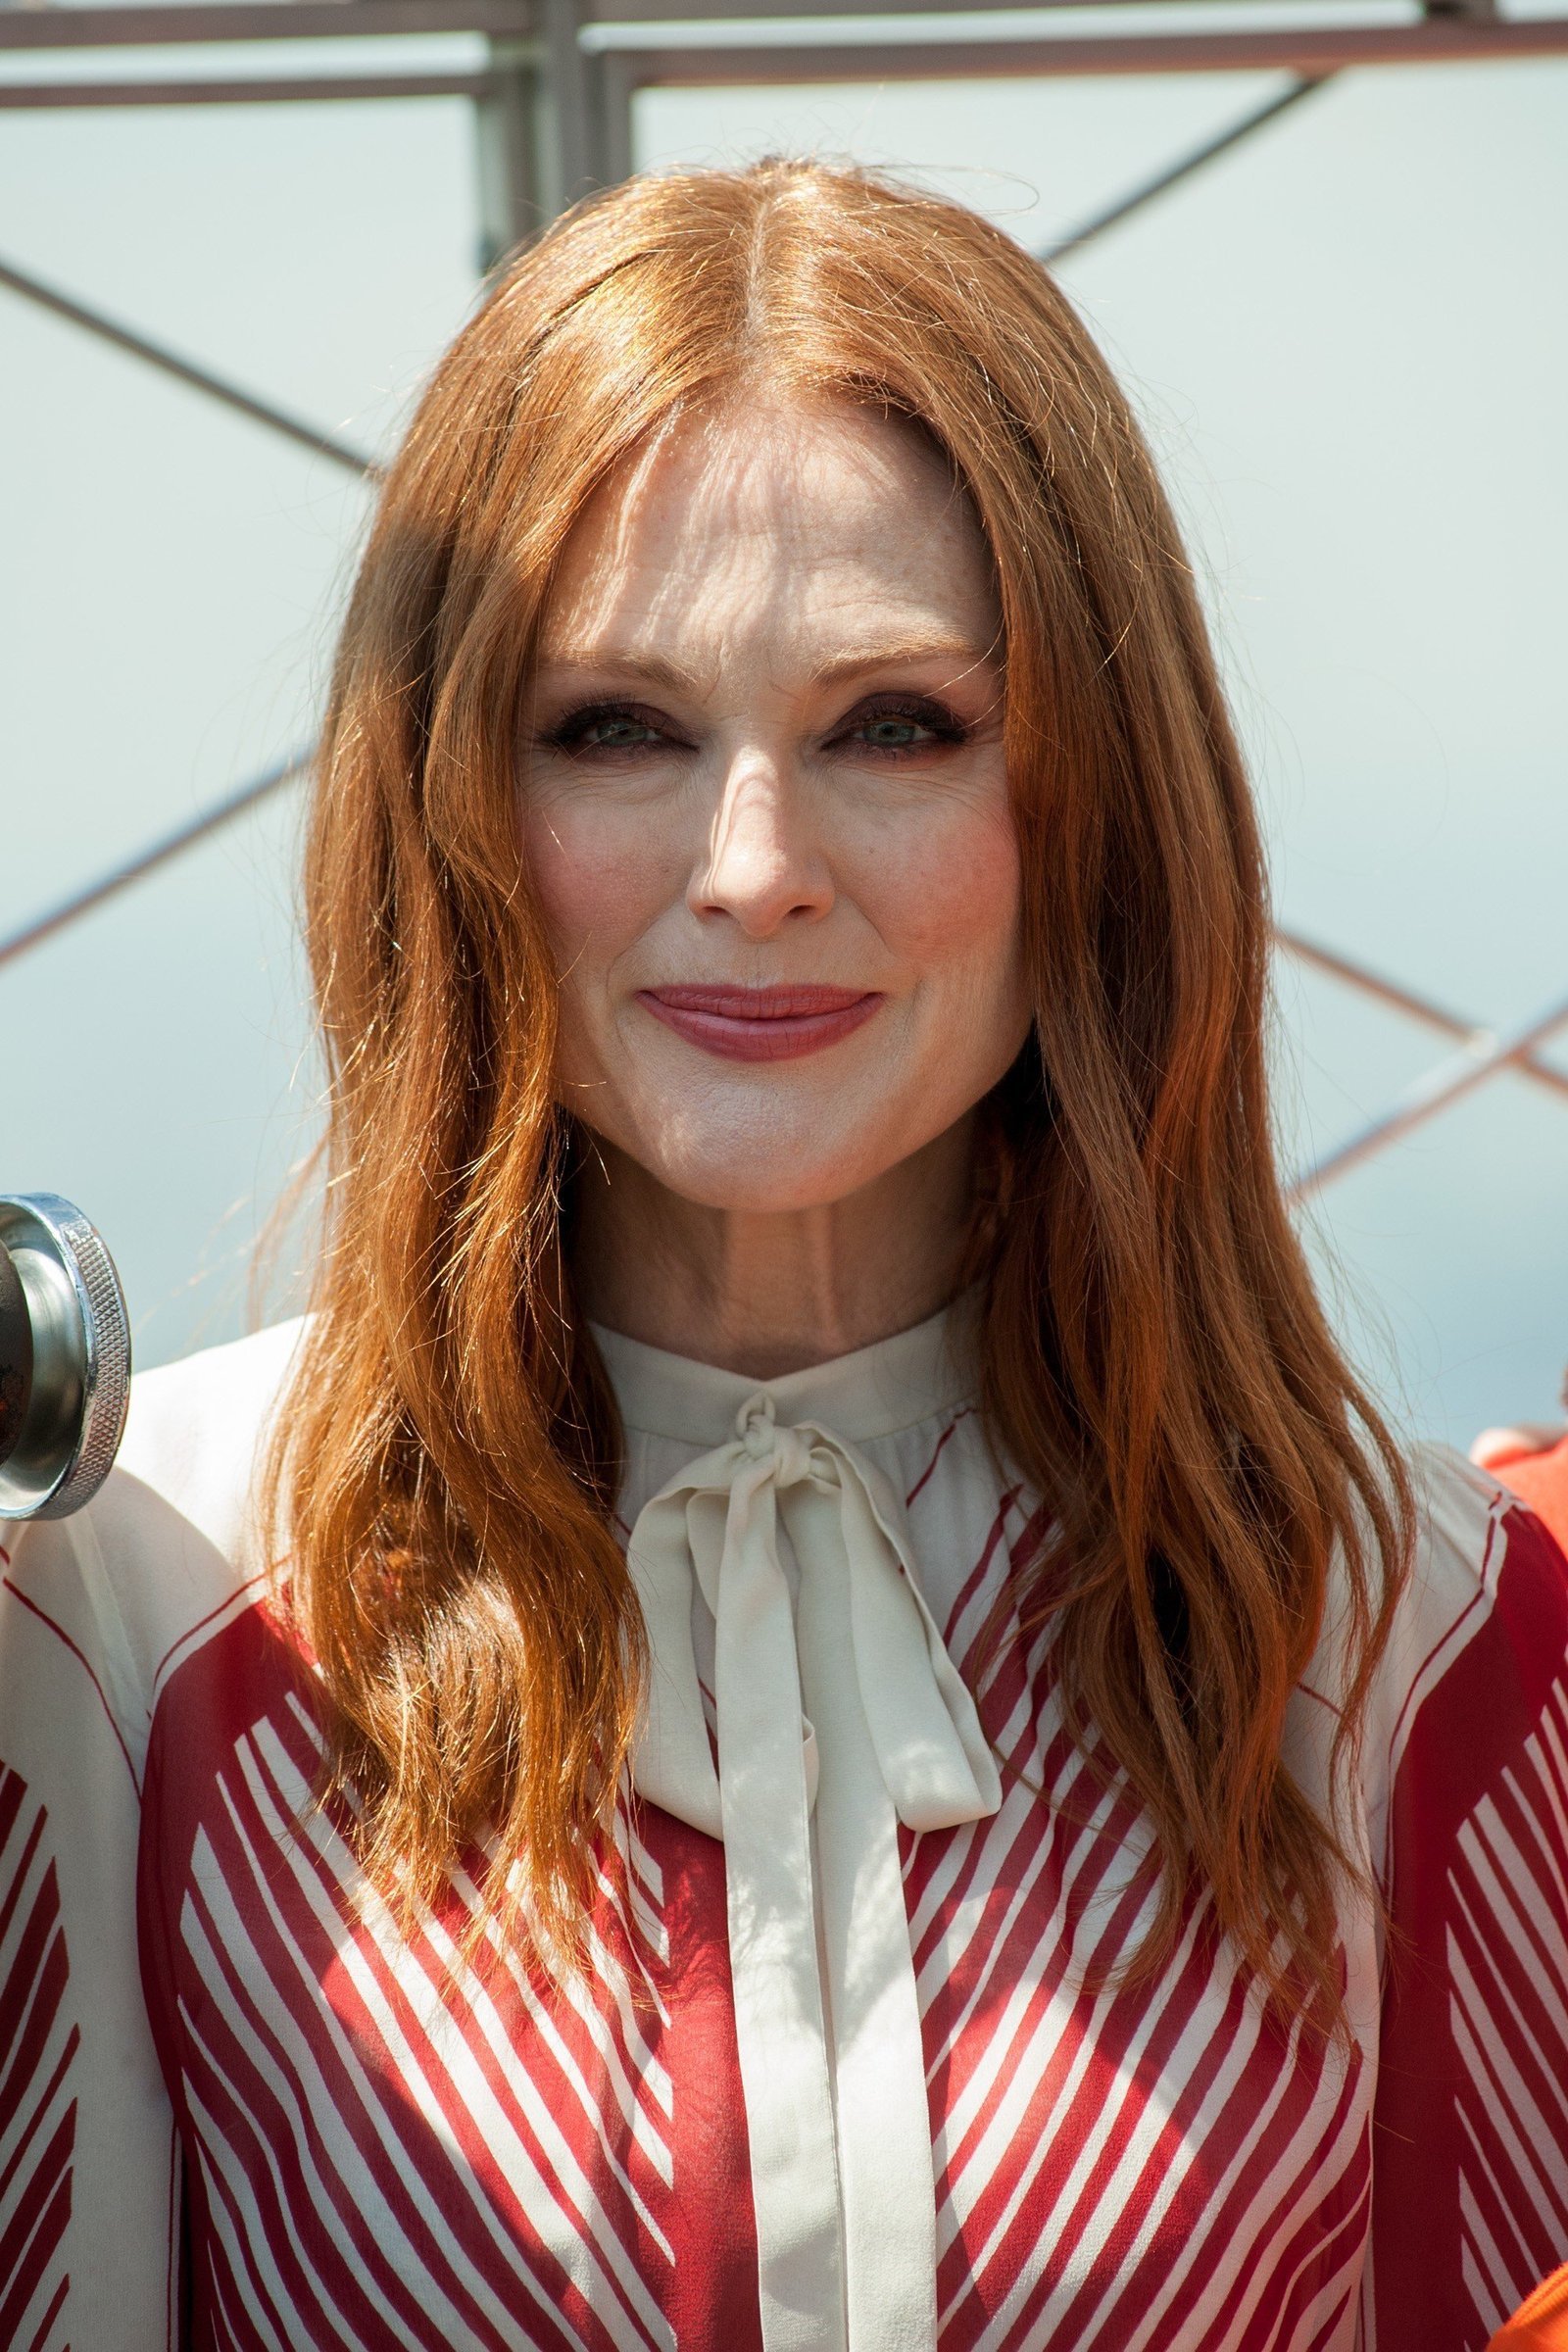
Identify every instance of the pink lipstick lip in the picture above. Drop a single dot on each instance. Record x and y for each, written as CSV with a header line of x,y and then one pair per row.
x,y
790,999
762,1024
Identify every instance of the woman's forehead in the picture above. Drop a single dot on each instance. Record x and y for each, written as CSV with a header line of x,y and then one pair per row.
x,y
804,521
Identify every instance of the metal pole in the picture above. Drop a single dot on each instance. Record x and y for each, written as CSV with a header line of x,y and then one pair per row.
x,y
571,89
1447,1083
540,132
617,93
509,137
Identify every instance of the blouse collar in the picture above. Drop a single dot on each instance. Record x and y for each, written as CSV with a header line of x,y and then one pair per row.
x,y
871,1392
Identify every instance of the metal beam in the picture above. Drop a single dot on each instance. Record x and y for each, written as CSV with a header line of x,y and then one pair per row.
x,y
157,853
510,133
571,85
733,11
1448,1083
1414,1008
178,26
53,27
1309,52
556,105
185,371
262,90
1172,178
544,138
1451,32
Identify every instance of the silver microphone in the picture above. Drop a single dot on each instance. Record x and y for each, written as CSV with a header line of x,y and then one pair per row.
x,y
64,1357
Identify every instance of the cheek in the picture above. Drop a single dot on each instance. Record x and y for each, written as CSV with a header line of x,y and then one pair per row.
x,y
947,894
594,892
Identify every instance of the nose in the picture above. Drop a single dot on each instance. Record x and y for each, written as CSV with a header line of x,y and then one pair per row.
x,y
764,865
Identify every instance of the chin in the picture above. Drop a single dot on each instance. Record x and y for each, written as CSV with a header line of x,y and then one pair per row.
x,y
769,1168
765,1183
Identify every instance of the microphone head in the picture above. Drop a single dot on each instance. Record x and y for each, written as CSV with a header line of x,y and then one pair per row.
x,y
64,1357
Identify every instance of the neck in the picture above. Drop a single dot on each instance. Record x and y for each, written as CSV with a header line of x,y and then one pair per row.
x,y
766,1293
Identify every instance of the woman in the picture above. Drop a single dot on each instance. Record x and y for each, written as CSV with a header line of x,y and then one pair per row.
x,y
809,1711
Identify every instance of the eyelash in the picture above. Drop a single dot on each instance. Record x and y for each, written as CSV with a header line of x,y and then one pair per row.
x,y
940,723
921,711
567,734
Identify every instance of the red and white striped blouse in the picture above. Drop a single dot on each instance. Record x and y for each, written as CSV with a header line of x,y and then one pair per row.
x,y
236,2111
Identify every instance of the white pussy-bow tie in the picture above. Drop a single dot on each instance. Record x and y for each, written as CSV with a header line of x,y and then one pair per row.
x,y
843,1706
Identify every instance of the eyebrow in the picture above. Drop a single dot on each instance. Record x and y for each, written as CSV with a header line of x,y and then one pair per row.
x,y
959,653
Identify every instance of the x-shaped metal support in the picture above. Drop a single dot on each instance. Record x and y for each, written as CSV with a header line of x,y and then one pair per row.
x,y
1483,1053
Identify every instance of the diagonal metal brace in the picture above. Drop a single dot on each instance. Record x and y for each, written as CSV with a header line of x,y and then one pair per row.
x,y
218,813
1473,1034
185,372
1452,1080
1136,199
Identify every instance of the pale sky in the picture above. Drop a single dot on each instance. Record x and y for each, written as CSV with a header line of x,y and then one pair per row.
x,y
1350,343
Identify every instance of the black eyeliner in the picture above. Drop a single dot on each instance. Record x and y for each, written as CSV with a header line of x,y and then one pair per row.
x,y
567,732
920,709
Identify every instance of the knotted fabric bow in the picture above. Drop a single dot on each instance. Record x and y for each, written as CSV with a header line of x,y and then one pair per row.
x,y
840,1703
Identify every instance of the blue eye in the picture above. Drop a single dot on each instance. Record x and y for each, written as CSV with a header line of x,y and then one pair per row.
x,y
891,734
615,733
914,726
604,728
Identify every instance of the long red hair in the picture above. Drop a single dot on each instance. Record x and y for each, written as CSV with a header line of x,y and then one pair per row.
x,y
1155,1364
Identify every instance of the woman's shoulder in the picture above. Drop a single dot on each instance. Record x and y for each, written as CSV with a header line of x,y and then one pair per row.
x,y
197,1431
1476,1666
172,1542
1478,1551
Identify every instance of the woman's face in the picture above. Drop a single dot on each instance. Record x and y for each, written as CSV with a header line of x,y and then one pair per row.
x,y
764,809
